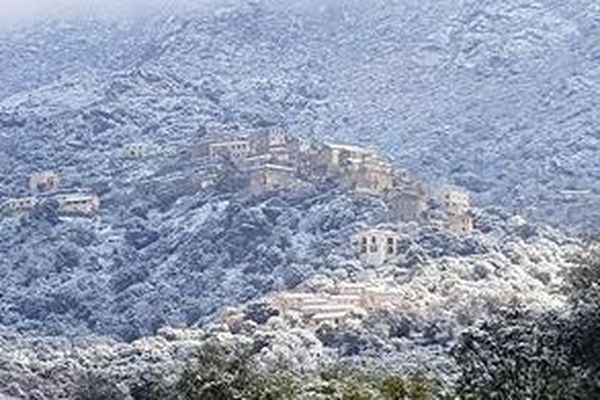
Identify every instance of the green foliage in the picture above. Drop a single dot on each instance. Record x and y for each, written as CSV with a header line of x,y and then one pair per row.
x,y
517,355
583,280
416,387
96,386
349,383
583,288
151,387
227,373
523,355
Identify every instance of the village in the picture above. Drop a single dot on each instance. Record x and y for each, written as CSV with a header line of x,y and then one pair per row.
x,y
271,161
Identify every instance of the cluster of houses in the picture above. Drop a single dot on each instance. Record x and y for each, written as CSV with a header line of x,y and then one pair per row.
x,y
337,305
275,161
343,302
44,188
272,160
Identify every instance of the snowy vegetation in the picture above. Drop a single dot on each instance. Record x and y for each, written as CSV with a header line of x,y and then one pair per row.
x,y
496,96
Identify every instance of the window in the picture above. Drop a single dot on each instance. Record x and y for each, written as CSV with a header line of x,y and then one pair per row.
x,y
364,245
373,248
390,245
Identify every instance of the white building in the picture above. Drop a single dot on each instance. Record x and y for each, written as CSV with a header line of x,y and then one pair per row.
x,y
43,181
234,150
77,204
375,247
461,224
458,211
457,200
134,151
22,204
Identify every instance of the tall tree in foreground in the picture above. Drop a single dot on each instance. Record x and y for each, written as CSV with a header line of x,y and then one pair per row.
x,y
520,354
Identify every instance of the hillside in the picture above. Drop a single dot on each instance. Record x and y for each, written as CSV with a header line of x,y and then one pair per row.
x,y
496,97
499,98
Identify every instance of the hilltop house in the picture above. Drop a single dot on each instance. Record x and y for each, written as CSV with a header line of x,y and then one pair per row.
x,y
408,203
348,300
77,204
43,181
134,151
272,177
236,150
316,308
458,214
457,199
22,204
370,176
81,204
332,158
375,247
280,147
460,223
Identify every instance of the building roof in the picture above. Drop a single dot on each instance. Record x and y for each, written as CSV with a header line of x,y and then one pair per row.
x,y
345,297
228,142
350,148
275,167
456,191
328,316
295,295
43,174
351,285
377,232
327,308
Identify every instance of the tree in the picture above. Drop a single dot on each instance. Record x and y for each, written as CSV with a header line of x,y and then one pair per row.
x,y
228,373
151,387
583,288
97,386
517,355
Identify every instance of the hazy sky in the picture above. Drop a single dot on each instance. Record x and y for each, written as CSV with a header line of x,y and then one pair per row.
x,y
18,11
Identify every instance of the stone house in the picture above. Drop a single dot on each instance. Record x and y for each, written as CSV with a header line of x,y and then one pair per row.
x,y
134,151
277,145
284,302
234,150
351,289
461,223
77,204
317,308
272,177
44,181
408,203
458,215
375,247
333,318
457,200
348,300
22,204
370,176
380,297
332,158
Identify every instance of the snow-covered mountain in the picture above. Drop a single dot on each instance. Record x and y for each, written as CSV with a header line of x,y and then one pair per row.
x,y
499,97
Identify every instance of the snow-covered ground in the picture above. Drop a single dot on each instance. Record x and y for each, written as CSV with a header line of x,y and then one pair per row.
x,y
499,97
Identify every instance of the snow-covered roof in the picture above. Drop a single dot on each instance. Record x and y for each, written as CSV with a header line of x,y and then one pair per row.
x,y
349,148
376,232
